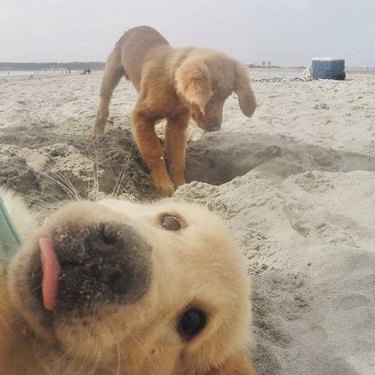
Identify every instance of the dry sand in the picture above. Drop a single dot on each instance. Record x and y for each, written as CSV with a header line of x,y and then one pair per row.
x,y
295,184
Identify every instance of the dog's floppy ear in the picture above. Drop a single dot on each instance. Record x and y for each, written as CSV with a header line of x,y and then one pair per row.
x,y
235,365
243,89
193,82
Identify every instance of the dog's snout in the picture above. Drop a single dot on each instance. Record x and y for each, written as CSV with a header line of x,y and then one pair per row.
x,y
103,262
214,127
106,239
121,252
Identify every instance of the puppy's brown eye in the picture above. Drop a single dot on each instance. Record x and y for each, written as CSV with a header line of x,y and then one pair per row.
x,y
191,323
170,222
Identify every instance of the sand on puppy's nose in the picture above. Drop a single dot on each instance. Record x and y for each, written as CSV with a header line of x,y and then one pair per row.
x,y
51,270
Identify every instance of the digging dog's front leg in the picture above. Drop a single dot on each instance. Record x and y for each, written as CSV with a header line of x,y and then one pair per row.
x,y
151,151
175,140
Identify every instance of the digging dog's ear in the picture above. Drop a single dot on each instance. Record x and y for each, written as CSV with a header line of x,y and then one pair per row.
x,y
235,365
193,82
243,89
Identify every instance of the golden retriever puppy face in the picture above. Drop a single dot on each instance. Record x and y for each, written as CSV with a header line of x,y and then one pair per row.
x,y
135,289
206,79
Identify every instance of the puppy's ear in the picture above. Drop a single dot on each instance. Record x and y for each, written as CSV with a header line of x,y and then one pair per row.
x,y
235,365
193,82
243,89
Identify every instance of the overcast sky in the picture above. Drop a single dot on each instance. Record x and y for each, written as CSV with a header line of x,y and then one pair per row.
x,y
286,32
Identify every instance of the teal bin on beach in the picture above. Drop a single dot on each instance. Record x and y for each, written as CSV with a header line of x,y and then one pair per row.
x,y
328,68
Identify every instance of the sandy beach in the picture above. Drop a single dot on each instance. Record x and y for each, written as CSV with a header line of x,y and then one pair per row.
x,y
295,184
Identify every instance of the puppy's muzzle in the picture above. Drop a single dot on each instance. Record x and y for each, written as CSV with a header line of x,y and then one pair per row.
x,y
103,263
214,127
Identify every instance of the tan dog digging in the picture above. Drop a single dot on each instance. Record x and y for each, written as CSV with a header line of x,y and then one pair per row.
x,y
173,84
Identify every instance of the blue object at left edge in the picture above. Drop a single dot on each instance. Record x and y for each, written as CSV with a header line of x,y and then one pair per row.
x,y
10,240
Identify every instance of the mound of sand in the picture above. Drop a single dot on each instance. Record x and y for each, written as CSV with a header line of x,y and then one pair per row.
x,y
295,185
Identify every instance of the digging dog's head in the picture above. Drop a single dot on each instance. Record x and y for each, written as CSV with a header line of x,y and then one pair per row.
x,y
151,289
206,79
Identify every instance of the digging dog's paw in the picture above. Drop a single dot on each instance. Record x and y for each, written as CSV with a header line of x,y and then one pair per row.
x,y
98,129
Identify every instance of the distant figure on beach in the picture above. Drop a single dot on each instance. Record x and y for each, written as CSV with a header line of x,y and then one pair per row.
x,y
85,71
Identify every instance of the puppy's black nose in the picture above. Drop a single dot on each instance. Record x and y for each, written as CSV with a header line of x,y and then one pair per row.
x,y
214,127
105,262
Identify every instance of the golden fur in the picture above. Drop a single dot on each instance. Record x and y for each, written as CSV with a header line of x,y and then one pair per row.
x,y
197,265
175,84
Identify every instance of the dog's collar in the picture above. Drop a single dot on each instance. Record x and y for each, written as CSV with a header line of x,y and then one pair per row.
x,y
10,240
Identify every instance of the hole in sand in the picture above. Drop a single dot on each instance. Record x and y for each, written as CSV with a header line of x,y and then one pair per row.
x,y
220,157
48,167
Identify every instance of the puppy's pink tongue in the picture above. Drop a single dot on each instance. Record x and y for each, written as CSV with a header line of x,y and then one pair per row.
x,y
51,270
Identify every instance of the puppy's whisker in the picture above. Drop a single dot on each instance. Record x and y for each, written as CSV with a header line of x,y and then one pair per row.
x,y
121,175
72,194
137,342
69,189
73,361
96,187
69,183
62,357
144,350
118,351
96,363
93,361
65,178
44,208
118,367
41,200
